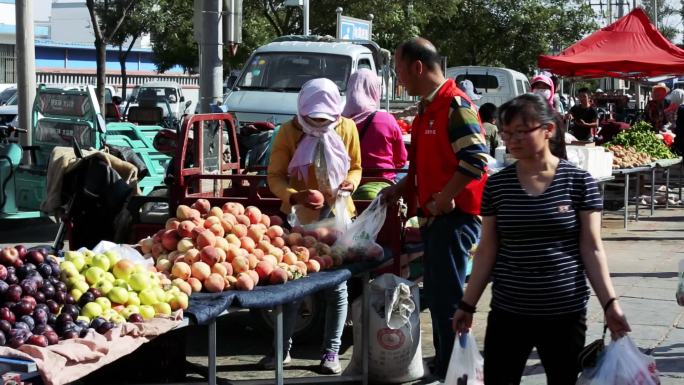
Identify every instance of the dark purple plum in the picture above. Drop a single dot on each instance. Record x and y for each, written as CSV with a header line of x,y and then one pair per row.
x,y
60,286
56,271
13,293
21,325
97,322
22,308
45,269
35,257
12,279
72,310
69,334
64,319
85,298
95,292
43,306
60,297
3,272
69,299
29,287
52,319
3,339
7,315
52,337
82,323
135,317
3,287
40,297
5,326
16,342
28,320
105,327
40,316
38,340
53,306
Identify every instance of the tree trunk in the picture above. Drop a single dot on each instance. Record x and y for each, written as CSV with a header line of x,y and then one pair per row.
x,y
124,77
101,52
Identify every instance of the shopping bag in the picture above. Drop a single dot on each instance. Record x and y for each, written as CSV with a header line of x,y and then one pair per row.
x,y
680,287
358,242
466,366
622,364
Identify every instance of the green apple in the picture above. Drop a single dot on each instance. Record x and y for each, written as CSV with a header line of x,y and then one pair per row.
x,y
101,261
133,308
104,302
108,314
76,293
92,310
162,308
88,253
94,275
75,281
118,319
123,269
139,281
168,296
126,312
110,277
104,286
113,257
82,286
147,312
71,254
83,318
148,297
160,294
89,259
118,295
140,268
79,262
121,283
133,299
69,270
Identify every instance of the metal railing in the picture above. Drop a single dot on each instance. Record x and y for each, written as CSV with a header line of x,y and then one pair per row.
x,y
75,78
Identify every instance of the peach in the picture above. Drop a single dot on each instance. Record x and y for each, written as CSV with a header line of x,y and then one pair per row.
x,y
210,255
263,269
191,256
240,230
277,276
163,265
221,243
312,252
206,238
330,238
231,280
240,264
289,258
276,220
275,231
184,245
228,267
301,267
200,270
156,238
217,229
309,241
265,220
255,277
313,266
301,252
243,219
173,256
183,286
195,284
214,283
293,239
172,224
256,233
254,214
201,205
158,249
244,282
259,253
210,221
219,268
215,212
230,218
327,260
198,222
233,239
247,243
315,197
232,253
253,260
170,239
278,242
278,253
233,208
311,233
181,270
227,225
321,232
146,245
184,212
264,246
196,231
270,259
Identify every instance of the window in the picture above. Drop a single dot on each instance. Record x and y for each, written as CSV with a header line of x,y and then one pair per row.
x,y
521,88
364,63
480,82
288,71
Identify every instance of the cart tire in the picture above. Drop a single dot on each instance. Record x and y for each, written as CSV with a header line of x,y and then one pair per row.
x,y
310,319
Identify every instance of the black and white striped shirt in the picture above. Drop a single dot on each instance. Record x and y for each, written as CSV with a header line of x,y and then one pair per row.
x,y
538,269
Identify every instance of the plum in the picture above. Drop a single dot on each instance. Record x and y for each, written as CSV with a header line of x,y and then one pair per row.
x,y
97,322
45,269
52,337
5,326
28,320
7,315
3,287
13,293
38,340
40,316
72,310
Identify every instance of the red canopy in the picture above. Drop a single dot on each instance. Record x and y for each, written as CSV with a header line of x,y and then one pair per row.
x,y
631,47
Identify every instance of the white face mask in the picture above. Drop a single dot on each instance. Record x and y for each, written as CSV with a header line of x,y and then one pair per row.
x,y
546,94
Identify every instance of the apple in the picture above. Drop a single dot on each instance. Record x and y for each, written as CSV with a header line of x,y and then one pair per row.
x,y
118,319
76,294
94,275
133,299
162,308
139,281
113,257
104,286
123,269
118,295
92,310
104,302
121,283
179,301
79,262
109,277
148,297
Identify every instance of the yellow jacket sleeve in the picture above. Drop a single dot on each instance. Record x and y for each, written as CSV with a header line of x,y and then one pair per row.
x,y
281,153
350,136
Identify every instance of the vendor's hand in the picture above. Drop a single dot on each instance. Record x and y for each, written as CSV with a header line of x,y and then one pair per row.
x,y
346,186
443,204
462,321
302,198
616,321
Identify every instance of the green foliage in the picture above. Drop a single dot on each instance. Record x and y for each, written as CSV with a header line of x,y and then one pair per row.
x,y
643,139
172,33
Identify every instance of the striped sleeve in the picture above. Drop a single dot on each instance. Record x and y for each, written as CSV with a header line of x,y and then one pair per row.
x,y
487,208
467,141
591,195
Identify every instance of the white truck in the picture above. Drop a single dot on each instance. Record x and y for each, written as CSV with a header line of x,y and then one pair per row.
x,y
495,85
267,87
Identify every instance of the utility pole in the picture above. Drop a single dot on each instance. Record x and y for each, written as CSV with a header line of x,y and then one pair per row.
x,y
306,17
26,68
211,54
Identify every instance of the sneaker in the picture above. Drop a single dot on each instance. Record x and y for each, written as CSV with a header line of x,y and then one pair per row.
x,y
269,362
330,364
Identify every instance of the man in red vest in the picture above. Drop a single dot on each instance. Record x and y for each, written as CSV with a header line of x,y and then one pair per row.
x,y
447,174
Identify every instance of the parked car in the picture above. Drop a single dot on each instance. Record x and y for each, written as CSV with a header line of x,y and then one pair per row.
x,y
167,95
9,111
7,94
495,85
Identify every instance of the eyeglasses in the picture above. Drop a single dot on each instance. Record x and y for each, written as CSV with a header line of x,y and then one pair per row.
x,y
520,134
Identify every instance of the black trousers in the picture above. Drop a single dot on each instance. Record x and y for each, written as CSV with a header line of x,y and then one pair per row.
x,y
510,338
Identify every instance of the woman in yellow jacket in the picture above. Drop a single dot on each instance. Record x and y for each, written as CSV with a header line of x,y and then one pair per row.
x,y
318,150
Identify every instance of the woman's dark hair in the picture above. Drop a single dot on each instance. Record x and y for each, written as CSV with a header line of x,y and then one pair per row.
x,y
532,108
487,112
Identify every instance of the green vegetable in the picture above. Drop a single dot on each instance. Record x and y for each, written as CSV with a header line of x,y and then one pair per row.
x,y
643,139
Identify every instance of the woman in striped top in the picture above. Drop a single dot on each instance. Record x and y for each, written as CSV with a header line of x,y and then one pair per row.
x,y
541,239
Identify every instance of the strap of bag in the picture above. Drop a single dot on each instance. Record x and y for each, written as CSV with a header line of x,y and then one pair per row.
x,y
369,120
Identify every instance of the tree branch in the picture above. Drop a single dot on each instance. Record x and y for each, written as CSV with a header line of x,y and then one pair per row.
x,y
93,19
275,15
118,23
273,23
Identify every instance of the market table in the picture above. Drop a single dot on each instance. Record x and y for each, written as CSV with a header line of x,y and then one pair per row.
x,y
626,172
665,165
205,308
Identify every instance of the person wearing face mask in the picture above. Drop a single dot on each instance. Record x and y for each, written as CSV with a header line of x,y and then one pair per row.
x,y
318,150
543,86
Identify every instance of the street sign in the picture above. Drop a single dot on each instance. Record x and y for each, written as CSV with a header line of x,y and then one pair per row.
x,y
350,28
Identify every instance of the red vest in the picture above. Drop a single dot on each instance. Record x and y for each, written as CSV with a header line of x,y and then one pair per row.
x,y
433,161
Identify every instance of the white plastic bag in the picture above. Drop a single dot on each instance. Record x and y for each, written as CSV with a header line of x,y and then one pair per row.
x,y
122,250
394,352
340,222
680,287
622,364
361,234
466,366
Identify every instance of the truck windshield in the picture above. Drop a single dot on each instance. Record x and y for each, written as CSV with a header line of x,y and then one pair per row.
x,y
160,94
288,71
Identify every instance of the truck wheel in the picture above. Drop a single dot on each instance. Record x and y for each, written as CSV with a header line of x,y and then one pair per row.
x,y
309,322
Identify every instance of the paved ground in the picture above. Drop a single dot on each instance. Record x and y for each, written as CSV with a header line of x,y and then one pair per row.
x,y
643,261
